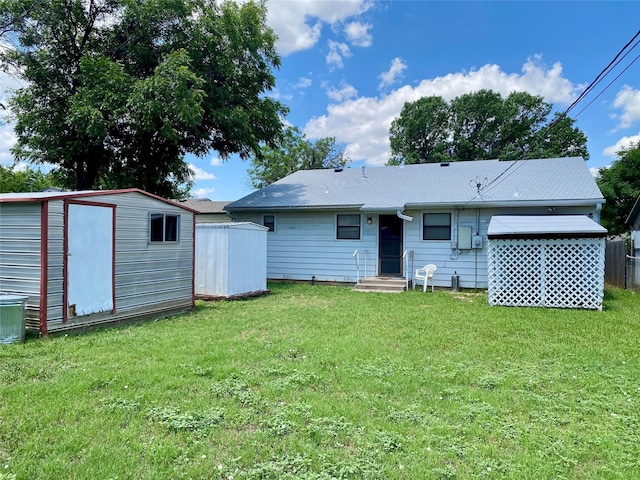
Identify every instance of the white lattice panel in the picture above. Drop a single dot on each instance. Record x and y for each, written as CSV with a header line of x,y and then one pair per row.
x,y
563,273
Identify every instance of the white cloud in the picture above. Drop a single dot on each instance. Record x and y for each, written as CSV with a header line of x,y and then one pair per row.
x,y
624,142
200,174
215,162
628,100
337,51
358,34
595,171
202,192
363,123
298,24
7,140
304,82
394,73
344,92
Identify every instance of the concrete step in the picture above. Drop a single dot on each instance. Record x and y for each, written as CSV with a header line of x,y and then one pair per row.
x,y
380,284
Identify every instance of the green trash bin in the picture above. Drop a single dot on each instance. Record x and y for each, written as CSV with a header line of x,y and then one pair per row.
x,y
12,318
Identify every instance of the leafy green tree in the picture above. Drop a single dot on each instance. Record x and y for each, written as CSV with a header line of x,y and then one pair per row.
x,y
620,185
13,180
482,125
119,91
294,152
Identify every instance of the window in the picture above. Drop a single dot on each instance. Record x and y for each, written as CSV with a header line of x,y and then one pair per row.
x,y
164,228
436,226
348,227
269,221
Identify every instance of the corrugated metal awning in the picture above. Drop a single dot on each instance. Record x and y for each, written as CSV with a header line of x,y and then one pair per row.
x,y
544,226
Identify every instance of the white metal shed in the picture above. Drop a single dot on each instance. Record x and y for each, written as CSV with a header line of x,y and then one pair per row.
x,y
550,260
231,259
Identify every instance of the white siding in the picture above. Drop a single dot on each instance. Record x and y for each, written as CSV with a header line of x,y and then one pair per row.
x,y
231,259
304,244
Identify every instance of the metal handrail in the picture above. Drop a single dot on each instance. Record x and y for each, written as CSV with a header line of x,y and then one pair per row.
x,y
406,256
356,255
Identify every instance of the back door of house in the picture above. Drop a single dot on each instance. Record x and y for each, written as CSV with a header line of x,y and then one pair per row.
x,y
389,245
89,237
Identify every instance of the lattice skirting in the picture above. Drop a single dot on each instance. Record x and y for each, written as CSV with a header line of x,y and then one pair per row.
x,y
563,273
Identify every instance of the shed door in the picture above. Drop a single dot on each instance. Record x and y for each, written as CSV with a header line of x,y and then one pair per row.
x,y
89,239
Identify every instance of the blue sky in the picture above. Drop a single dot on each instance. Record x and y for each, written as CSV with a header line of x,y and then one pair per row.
x,y
349,66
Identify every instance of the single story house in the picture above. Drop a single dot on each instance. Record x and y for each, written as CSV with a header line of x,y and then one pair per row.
x,y
344,224
207,211
88,258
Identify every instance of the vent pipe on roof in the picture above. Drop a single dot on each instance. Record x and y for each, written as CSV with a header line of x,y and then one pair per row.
x,y
364,173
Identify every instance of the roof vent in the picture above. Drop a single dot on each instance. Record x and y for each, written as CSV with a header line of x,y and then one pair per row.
x,y
364,173
337,170
444,164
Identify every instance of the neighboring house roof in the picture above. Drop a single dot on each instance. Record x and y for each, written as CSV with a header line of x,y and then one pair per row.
x,y
524,226
204,205
42,196
552,182
633,215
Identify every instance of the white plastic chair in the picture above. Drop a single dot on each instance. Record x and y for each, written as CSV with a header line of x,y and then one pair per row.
x,y
425,273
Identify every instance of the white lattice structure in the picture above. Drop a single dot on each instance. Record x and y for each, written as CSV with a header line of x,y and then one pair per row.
x,y
550,272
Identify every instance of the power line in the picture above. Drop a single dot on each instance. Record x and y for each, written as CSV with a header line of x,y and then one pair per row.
x,y
601,76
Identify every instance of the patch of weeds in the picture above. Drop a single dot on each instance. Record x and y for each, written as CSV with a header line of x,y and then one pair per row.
x,y
387,442
233,387
474,410
327,427
199,371
288,468
490,381
195,422
121,404
278,424
409,415
359,467
7,476
446,472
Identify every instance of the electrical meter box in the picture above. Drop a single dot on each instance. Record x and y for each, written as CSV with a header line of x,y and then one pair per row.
x,y
464,237
476,241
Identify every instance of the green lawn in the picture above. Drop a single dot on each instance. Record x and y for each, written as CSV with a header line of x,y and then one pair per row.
x,y
318,382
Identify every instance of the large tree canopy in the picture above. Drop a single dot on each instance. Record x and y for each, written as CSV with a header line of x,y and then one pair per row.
x,y
480,126
117,92
620,185
294,152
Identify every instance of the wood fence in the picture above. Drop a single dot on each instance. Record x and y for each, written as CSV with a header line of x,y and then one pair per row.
x,y
615,263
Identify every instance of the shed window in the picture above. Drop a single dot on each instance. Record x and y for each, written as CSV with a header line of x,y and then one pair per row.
x,y
436,226
269,221
348,227
164,227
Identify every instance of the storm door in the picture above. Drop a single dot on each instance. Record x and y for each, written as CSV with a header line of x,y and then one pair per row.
x,y
390,245
89,240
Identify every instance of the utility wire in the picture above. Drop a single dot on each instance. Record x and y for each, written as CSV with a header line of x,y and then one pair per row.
x,y
603,74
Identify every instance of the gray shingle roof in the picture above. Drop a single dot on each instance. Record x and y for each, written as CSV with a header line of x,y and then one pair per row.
x,y
525,182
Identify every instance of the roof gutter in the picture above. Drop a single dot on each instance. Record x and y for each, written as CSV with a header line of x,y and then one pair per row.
x,y
597,202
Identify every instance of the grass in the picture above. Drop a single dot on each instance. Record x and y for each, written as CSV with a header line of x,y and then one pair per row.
x,y
317,382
